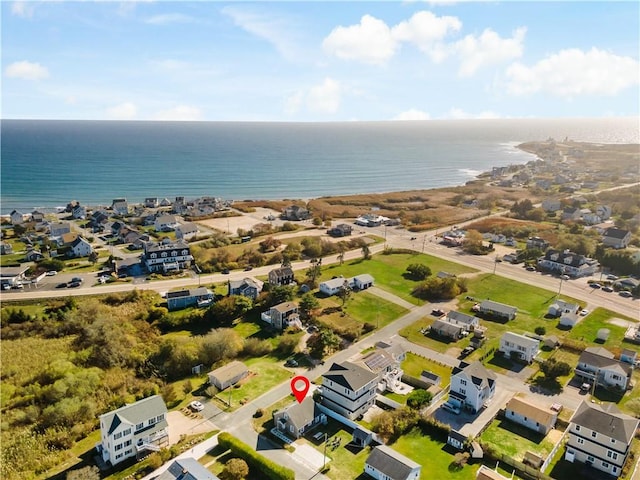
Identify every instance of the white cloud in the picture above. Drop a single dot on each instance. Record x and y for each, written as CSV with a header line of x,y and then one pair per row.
x,y
184,113
488,49
275,30
26,70
124,111
169,18
426,31
22,8
459,114
412,114
323,98
370,41
573,72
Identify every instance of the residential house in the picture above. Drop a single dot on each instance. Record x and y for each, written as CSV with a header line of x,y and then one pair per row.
x,y
120,206
298,418
531,415
386,366
33,256
616,238
600,436
16,217
384,463
129,235
469,322
568,263
166,257
472,385
628,356
282,315
228,375
248,287
165,223
445,329
295,213
348,389
151,202
537,243
603,211
551,205
571,214
186,469
590,218
80,248
333,286
485,473
200,296
519,347
599,364
37,216
79,212
133,429
59,228
281,276
99,218
362,281
165,202
560,307
371,220
186,231
396,350
497,310
341,230
569,319
6,248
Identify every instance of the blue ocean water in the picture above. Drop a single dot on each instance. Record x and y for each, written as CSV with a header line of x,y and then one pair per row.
x,y
47,163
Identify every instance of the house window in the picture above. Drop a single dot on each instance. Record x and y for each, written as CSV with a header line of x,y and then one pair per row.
x,y
612,455
614,469
139,426
160,417
127,443
577,428
594,434
128,452
118,447
152,421
174,254
605,464
127,432
185,252
119,456
580,441
154,255
463,382
117,436
590,458
616,377
463,391
613,440
164,254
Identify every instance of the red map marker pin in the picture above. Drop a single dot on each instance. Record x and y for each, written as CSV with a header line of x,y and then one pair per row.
x,y
300,393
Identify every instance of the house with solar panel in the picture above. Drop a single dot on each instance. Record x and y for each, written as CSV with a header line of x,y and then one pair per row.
x,y
134,430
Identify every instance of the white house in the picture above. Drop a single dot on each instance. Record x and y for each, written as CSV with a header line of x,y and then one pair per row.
x,y
228,375
16,217
282,315
519,347
187,230
497,310
600,436
59,228
165,257
384,463
569,263
529,414
348,389
560,307
298,418
133,429
362,281
469,322
333,286
599,364
471,386
616,238
165,223
81,248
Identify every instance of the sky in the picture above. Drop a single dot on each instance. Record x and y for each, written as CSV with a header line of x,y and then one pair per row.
x,y
318,61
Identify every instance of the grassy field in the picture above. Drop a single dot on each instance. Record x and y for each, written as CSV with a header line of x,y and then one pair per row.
x,y
515,440
412,333
19,356
587,329
264,374
415,364
387,270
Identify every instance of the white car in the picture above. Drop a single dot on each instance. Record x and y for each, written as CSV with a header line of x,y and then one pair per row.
x,y
51,273
450,407
196,406
584,312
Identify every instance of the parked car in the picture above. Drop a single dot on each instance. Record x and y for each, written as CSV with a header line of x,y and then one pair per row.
x,y
61,285
626,294
607,289
73,284
76,280
291,363
437,313
248,269
584,312
530,268
565,277
467,351
451,408
585,387
51,273
612,277
225,271
594,285
196,406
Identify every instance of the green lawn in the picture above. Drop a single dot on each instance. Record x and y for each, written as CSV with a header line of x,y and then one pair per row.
x,y
412,333
515,440
265,373
415,364
431,454
587,329
387,270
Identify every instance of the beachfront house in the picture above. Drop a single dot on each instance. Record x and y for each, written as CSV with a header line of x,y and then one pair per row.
x,y
530,414
282,315
600,436
186,231
568,263
167,257
384,463
17,218
80,248
133,430
519,347
616,238
348,389
165,223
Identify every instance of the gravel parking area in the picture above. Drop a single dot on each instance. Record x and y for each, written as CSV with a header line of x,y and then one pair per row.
x,y
180,424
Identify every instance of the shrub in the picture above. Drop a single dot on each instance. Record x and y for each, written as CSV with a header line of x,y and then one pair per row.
x,y
419,398
540,330
260,463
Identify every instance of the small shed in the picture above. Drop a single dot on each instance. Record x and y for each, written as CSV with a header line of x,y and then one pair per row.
x,y
361,437
628,356
456,440
603,335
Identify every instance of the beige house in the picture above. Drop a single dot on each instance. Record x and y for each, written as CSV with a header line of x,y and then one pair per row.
x,y
600,436
529,414
228,375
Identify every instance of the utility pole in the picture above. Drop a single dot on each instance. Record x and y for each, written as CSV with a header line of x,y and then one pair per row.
x,y
424,240
324,460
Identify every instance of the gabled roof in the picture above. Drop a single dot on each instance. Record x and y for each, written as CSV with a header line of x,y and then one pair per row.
x,y
229,371
525,407
301,414
478,373
391,463
378,360
459,317
78,241
607,420
363,278
350,375
446,327
334,283
136,413
285,307
602,358
282,272
498,307
194,292
616,233
520,339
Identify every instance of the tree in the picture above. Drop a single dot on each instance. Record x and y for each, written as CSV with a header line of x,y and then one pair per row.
x,y
540,330
269,244
553,369
345,292
366,252
317,221
279,294
472,242
418,271
322,342
93,257
341,249
419,398
235,469
314,270
308,303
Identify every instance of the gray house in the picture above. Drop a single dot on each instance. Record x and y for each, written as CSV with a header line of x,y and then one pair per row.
x,y
186,469
228,375
298,418
497,310
200,296
248,287
384,463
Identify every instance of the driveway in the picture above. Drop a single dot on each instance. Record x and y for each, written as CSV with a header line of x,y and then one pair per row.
x,y
186,424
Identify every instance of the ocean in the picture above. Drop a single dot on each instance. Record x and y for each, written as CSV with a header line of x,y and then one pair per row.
x,y
47,163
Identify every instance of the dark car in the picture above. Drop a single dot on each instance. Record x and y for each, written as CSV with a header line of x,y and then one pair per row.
x,y
248,269
74,284
607,289
76,280
594,285
437,313
61,285
467,351
291,363
225,271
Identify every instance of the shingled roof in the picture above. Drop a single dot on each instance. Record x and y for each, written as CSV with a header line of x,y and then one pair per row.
x,y
349,375
607,420
136,413
391,463
478,373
